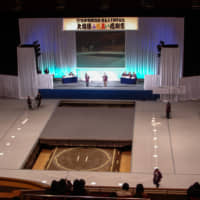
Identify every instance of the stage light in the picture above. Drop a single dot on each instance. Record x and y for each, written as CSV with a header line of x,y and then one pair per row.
x,y
93,183
120,184
155,138
86,158
155,155
1,153
44,181
8,144
154,130
13,136
78,158
155,146
18,129
24,122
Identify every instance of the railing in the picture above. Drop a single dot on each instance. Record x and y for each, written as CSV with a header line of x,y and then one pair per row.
x,y
70,197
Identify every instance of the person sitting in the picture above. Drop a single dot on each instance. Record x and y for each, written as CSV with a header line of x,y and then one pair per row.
x,y
62,187
79,187
124,192
193,191
53,188
71,74
83,191
140,192
129,75
124,74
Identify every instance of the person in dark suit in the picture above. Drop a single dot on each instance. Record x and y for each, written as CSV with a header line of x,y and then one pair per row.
x,y
38,100
105,79
87,79
157,176
168,110
29,102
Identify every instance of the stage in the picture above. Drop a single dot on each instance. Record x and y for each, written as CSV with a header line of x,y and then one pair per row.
x,y
98,85
96,90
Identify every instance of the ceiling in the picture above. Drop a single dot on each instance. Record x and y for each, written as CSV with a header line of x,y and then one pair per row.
x,y
99,7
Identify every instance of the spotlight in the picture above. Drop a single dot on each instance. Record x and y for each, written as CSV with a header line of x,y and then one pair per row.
x,y
155,138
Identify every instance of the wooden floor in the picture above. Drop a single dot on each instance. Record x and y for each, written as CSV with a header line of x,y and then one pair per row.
x,y
125,163
42,159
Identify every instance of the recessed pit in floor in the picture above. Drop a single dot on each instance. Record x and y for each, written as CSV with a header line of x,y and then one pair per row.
x,y
88,136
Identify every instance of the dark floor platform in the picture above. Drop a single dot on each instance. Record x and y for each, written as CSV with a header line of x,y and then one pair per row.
x,y
89,124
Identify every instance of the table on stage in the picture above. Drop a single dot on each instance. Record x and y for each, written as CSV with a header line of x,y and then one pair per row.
x,y
70,79
125,80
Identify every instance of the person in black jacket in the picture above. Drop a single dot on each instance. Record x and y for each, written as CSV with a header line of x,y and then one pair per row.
x,y
29,102
157,176
38,100
168,110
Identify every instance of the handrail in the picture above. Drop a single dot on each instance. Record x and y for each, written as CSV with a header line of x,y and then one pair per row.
x,y
47,196
13,182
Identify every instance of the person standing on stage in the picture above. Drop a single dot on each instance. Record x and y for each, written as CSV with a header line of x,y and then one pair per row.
x,y
105,79
134,76
38,100
29,102
168,110
87,79
157,176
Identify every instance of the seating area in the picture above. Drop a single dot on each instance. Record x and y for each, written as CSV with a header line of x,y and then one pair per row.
x,y
29,190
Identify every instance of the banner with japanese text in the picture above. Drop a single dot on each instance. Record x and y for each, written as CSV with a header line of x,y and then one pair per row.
x,y
100,24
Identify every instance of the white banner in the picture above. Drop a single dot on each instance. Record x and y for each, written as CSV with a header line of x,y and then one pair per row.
x,y
100,24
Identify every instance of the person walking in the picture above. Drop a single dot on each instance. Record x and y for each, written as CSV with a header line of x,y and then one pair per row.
x,y
168,110
38,100
157,176
29,102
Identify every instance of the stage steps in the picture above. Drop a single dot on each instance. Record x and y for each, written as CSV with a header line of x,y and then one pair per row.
x,y
98,94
